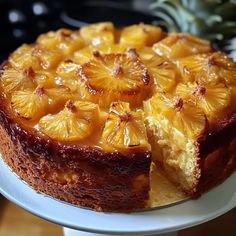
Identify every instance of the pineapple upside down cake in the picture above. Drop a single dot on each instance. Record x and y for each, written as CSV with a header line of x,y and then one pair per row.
x,y
86,114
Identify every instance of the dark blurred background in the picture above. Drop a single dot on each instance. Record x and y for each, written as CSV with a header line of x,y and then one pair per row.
x,y
22,20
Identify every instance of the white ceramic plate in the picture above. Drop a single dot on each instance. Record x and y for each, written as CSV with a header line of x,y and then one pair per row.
x,y
212,204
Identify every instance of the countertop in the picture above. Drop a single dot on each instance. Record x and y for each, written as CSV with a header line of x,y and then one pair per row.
x,y
16,221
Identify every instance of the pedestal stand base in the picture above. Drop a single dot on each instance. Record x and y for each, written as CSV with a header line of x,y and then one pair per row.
x,y
71,232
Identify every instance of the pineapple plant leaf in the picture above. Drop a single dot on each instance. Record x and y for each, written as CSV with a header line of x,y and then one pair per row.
x,y
214,20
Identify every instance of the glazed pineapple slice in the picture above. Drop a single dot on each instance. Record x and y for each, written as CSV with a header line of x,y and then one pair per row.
x,y
124,129
163,72
145,53
95,34
30,104
85,54
14,79
65,40
110,48
48,58
113,77
183,115
68,68
210,67
75,122
35,57
211,98
59,95
68,75
23,58
45,78
178,45
140,35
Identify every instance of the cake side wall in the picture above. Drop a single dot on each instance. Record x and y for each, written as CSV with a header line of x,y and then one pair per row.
x,y
217,154
83,176
216,167
222,132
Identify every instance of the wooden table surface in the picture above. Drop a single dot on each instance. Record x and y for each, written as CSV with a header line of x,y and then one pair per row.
x,y
14,221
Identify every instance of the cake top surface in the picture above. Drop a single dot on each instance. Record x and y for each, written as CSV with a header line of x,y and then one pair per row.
x,y
96,86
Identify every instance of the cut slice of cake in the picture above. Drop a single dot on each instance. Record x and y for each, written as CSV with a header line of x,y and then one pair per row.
x,y
192,129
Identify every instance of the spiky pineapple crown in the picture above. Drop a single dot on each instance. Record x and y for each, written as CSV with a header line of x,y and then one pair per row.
x,y
211,19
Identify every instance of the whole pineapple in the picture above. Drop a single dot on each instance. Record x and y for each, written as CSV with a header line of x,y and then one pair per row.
x,y
211,19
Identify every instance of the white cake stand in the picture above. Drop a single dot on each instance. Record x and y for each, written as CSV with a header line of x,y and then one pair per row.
x,y
87,222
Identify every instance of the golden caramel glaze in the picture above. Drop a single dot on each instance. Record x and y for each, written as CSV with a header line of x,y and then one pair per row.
x,y
132,90
97,66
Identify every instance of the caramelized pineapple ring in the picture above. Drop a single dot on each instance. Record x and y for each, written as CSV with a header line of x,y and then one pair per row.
x,y
85,54
140,35
66,41
36,57
47,58
67,72
75,122
178,45
33,104
211,98
14,79
30,104
45,78
124,129
163,72
23,58
114,77
59,95
211,67
184,116
95,34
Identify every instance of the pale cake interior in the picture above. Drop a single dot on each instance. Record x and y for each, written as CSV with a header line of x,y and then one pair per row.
x,y
174,153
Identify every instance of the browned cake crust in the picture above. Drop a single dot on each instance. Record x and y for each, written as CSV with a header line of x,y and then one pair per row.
x,y
84,176
222,132
216,167
217,155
